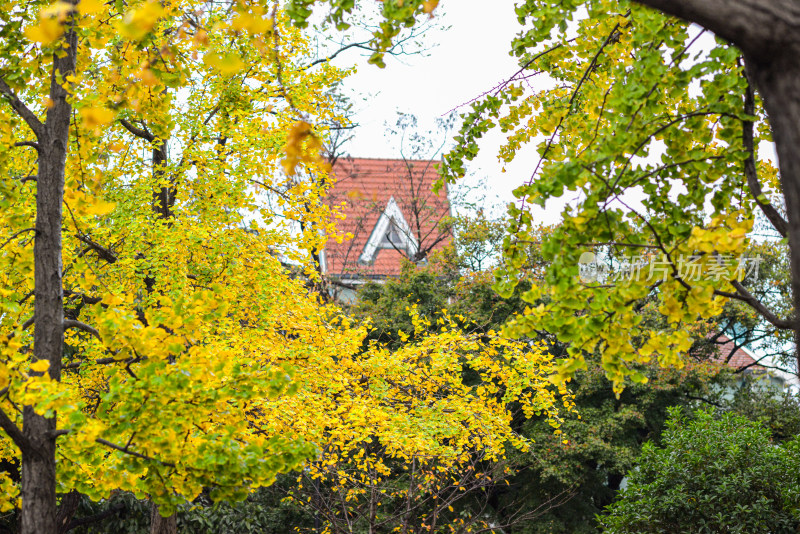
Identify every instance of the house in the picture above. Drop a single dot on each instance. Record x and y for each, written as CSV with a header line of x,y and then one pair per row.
x,y
392,214
736,356
749,364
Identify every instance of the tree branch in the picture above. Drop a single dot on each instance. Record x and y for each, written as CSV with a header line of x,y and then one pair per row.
x,y
21,109
703,399
102,252
362,45
85,299
586,73
75,523
106,361
14,432
10,239
72,323
138,132
337,282
743,295
750,171
32,144
759,27
126,450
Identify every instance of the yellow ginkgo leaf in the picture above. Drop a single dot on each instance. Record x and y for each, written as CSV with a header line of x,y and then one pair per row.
x,y
252,23
47,31
100,207
58,11
88,7
148,77
229,63
200,38
429,5
738,233
40,366
94,117
137,23
293,150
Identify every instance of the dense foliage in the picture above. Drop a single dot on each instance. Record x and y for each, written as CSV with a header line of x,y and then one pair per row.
x,y
571,476
657,128
165,317
712,474
161,169
175,354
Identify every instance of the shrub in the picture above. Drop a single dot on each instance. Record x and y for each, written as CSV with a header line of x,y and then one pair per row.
x,y
711,474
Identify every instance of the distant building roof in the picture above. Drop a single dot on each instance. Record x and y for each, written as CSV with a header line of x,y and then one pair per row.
x,y
737,357
746,361
391,212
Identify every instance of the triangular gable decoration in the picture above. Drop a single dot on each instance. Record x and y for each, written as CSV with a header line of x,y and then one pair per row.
x,y
391,232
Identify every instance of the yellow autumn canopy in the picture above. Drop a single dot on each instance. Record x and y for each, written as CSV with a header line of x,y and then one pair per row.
x,y
194,355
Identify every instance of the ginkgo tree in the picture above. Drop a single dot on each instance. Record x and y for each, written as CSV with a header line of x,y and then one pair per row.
x,y
171,350
135,134
657,133
408,433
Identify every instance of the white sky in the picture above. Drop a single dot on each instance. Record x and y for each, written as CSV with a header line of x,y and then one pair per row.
x,y
465,60
468,55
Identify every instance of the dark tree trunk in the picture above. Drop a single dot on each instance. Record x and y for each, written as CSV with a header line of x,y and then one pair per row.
x,y
66,511
778,81
164,195
39,458
162,525
38,476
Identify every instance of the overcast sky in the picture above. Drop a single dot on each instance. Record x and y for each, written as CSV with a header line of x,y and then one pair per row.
x,y
465,60
468,55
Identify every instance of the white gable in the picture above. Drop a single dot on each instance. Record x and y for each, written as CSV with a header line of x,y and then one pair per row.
x,y
390,232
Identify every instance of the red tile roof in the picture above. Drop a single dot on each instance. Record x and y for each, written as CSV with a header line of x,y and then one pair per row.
x,y
366,186
737,358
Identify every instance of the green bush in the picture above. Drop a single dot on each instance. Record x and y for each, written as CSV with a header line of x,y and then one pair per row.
x,y
711,474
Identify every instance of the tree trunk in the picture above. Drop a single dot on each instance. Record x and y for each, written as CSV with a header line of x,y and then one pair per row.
x,y
163,202
162,525
778,80
38,476
66,511
39,459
